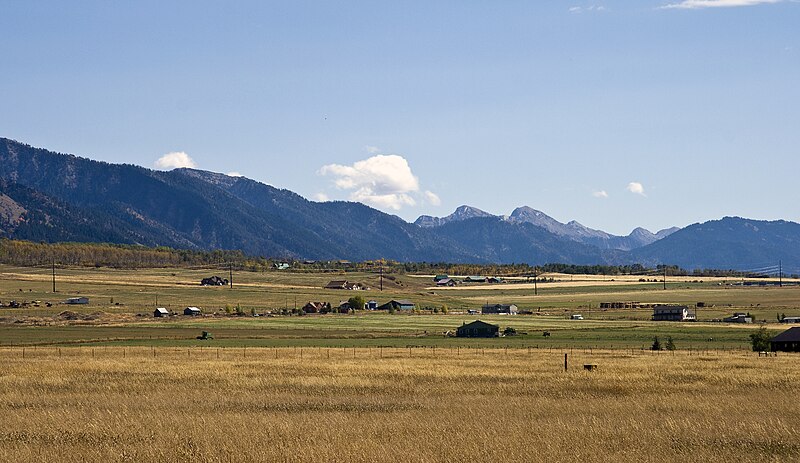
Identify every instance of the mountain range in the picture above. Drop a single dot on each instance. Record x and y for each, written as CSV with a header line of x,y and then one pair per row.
x,y
48,196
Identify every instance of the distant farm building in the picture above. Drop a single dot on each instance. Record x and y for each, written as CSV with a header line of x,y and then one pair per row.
x,y
508,309
317,307
446,282
576,316
623,305
192,311
475,279
77,300
281,265
672,313
439,278
372,305
347,285
478,329
161,312
399,304
494,280
788,341
790,320
738,317
214,281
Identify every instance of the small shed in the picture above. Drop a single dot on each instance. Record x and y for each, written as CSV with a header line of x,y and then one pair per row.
x,y
790,320
439,278
161,312
77,300
372,305
788,341
738,317
192,311
446,282
478,329
475,279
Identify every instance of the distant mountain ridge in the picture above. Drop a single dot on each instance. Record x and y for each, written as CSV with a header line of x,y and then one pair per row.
x,y
52,197
572,230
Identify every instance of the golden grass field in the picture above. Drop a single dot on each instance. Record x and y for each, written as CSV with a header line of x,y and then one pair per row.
x,y
209,405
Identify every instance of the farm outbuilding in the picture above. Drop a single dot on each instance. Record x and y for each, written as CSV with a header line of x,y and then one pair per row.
x,y
508,309
192,311
446,282
317,307
77,300
478,329
161,312
788,341
672,313
398,304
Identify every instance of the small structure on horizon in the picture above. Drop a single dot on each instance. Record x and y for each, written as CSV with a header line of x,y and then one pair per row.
x,y
214,281
192,311
397,304
506,309
790,320
478,329
446,282
160,312
738,317
317,307
347,285
77,300
475,279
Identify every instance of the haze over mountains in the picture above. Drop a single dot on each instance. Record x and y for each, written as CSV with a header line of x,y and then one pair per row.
x,y
47,196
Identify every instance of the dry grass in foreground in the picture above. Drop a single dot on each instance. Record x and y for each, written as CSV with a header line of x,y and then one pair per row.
x,y
116,404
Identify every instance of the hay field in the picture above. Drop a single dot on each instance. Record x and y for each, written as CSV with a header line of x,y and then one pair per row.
x,y
209,405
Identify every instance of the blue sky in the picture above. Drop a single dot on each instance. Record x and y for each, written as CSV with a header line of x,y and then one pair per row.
x,y
614,113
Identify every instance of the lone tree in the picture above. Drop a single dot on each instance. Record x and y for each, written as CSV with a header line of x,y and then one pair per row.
x,y
760,340
656,344
670,343
356,303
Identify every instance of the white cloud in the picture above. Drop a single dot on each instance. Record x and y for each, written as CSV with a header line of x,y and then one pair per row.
x,y
696,4
636,188
433,198
174,160
234,174
321,197
581,9
372,149
383,181
600,194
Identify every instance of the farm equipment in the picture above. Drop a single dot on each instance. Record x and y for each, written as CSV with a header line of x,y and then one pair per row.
x,y
205,336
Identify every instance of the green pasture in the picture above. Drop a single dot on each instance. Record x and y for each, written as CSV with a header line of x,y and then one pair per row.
x,y
123,301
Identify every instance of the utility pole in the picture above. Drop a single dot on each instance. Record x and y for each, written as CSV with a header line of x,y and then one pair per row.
x,y
230,277
535,289
780,273
381,275
54,275
665,277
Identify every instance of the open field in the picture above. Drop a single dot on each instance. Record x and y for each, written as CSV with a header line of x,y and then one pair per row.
x,y
115,404
121,304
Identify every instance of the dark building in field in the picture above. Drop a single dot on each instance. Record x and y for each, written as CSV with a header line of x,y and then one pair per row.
x,y
161,312
397,304
317,307
788,341
192,311
478,329
509,309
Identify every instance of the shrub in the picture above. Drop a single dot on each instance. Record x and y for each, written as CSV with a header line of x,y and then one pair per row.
x,y
670,343
760,340
656,344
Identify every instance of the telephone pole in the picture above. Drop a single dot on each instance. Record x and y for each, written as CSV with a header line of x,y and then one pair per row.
x,y
54,276
665,277
230,276
535,289
381,275
780,273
